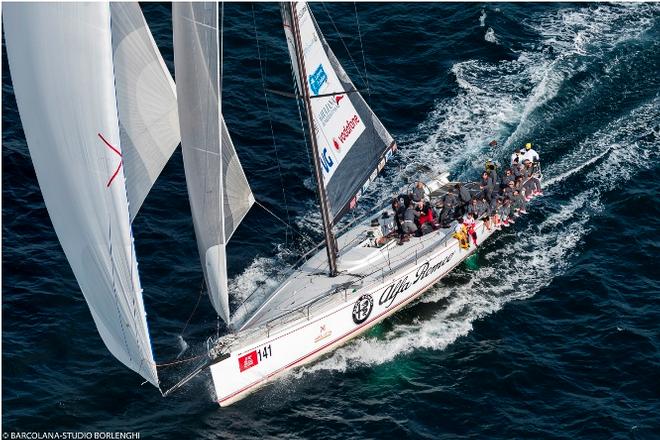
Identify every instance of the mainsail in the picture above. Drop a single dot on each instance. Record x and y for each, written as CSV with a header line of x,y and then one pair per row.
x,y
61,61
146,101
219,192
353,144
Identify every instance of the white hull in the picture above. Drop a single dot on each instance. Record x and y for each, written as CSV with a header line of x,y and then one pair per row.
x,y
260,355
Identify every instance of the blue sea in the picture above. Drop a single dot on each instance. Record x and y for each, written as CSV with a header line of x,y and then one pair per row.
x,y
551,331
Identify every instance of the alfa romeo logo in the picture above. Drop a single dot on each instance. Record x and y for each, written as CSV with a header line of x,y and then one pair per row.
x,y
362,308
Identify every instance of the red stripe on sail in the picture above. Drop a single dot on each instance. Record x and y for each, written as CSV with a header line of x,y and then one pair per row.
x,y
121,162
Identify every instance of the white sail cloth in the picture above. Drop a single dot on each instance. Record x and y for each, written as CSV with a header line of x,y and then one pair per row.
x,y
352,142
218,190
61,61
146,101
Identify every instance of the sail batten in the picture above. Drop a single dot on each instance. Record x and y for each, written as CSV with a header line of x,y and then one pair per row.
x,y
69,116
218,190
353,143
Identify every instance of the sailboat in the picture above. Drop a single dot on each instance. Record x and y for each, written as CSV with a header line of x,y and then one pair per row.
x,y
97,108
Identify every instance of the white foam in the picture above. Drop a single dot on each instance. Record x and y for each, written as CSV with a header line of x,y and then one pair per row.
x,y
492,98
490,36
544,250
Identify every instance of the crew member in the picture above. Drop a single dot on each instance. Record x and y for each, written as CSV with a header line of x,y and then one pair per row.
x,y
530,153
409,217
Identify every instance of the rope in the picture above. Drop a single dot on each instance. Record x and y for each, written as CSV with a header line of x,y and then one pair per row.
x,y
201,291
280,219
181,361
364,60
270,123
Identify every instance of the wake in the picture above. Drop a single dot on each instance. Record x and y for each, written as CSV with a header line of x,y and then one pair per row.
x,y
503,102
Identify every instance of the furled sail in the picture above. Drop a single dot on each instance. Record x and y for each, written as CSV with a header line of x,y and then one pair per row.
x,y
353,144
60,57
219,192
146,101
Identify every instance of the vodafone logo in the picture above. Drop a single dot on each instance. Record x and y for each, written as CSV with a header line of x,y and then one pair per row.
x,y
335,143
348,128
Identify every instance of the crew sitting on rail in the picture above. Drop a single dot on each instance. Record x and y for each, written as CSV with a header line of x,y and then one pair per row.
x,y
530,154
515,156
470,223
461,234
533,183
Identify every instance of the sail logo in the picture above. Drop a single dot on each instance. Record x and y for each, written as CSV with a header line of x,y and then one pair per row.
x,y
328,111
348,128
317,79
326,160
248,361
310,44
339,98
362,308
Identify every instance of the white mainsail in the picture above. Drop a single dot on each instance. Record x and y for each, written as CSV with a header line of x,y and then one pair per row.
x,y
352,142
146,101
219,192
61,61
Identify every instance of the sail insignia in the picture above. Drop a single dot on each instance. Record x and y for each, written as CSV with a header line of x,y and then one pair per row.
x,y
353,144
69,116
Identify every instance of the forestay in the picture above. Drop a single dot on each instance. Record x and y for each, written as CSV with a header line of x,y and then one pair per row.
x,y
219,193
146,100
60,57
353,144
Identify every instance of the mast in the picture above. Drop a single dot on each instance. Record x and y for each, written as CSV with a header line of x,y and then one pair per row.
x,y
330,245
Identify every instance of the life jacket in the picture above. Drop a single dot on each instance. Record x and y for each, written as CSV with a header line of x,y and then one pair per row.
x,y
462,237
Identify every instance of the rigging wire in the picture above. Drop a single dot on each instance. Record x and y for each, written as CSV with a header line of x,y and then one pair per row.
x,y
272,131
304,237
199,298
344,44
364,60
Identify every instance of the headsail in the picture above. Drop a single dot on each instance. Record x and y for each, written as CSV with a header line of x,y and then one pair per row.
x,y
60,56
146,100
353,144
219,193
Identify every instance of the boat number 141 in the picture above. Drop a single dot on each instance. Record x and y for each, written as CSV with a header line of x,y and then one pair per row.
x,y
264,352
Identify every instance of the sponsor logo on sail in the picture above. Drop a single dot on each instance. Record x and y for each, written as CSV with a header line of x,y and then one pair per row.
x,y
339,98
248,361
328,111
348,128
309,44
326,160
335,144
317,79
362,308
323,333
